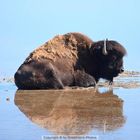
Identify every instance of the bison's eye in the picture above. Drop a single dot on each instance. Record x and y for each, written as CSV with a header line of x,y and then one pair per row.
x,y
114,58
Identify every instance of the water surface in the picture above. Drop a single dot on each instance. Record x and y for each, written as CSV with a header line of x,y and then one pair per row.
x,y
110,115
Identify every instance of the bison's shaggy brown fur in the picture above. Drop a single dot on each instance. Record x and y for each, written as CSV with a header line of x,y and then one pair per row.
x,y
61,47
72,59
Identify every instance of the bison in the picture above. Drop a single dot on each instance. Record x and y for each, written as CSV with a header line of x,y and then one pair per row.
x,y
72,59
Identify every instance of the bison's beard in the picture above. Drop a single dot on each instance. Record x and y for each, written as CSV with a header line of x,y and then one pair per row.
x,y
109,74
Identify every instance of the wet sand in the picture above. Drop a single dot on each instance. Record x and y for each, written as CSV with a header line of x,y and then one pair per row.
x,y
128,79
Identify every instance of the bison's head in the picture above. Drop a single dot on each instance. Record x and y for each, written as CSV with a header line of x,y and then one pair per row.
x,y
109,57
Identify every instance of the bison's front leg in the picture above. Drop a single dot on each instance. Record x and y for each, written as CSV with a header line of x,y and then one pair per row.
x,y
83,79
52,78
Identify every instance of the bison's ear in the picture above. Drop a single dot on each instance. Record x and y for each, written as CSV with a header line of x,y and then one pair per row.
x,y
100,46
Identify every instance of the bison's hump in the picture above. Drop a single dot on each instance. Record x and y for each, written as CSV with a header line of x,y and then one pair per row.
x,y
61,46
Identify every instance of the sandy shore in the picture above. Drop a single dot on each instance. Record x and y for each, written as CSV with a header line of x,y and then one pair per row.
x,y
128,79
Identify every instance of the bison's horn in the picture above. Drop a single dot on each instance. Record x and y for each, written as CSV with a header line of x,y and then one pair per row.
x,y
104,48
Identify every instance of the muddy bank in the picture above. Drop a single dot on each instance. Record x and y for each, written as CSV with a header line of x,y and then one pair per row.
x,y
128,79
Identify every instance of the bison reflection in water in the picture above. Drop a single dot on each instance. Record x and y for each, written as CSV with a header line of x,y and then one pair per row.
x,y
68,112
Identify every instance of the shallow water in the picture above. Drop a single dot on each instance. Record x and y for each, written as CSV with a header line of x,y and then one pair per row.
x,y
102,115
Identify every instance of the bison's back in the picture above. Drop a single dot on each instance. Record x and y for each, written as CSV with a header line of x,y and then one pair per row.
x,y
61,47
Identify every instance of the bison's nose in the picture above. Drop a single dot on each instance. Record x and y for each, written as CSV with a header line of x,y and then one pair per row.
x,y
121,70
